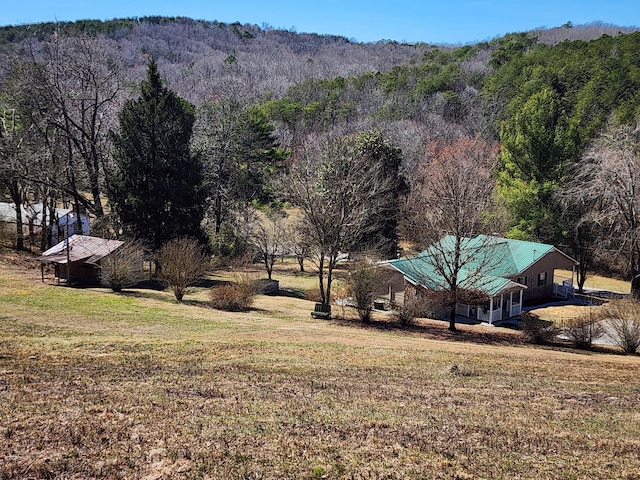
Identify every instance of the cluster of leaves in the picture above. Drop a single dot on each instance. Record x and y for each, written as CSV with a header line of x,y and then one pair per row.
x,y
591,79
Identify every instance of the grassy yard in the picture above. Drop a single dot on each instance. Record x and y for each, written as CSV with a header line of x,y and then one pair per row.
x,y
562,313
597,282
99,385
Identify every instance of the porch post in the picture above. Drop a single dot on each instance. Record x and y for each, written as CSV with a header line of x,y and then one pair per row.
x,y
491,311
511,304
520,302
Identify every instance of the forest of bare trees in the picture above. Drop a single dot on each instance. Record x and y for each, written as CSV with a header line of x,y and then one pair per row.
x,y
272,107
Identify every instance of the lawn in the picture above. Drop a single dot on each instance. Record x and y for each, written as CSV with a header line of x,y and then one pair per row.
x,y
561,313
597,282
99,385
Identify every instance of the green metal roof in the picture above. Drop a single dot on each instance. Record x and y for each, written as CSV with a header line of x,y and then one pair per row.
x,y
486,262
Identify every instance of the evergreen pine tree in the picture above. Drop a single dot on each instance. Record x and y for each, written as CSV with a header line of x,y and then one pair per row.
x,y
155,186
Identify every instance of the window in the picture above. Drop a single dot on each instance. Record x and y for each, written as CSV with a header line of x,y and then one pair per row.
x,y
542,279
522,280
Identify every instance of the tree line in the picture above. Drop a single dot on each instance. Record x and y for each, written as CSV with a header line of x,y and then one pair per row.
x,y
356,155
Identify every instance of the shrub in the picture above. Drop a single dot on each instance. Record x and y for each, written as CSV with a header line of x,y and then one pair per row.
x,y
362,281
623,322
234,297
123,268
412,308
582,331
182,261
537,330
264,286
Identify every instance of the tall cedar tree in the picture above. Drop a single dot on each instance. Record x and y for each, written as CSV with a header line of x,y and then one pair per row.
x,y
156,183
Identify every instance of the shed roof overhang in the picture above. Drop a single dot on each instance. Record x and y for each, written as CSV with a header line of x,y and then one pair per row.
x,y
80,248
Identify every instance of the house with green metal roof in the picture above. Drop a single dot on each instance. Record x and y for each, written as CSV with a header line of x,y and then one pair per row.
x,y
498,274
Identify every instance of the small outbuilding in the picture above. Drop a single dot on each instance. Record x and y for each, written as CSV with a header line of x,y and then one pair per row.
x,y
77,259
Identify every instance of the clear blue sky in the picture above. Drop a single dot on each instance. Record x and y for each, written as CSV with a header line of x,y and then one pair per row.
x,y
442,21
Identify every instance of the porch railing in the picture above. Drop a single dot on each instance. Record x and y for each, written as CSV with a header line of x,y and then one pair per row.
x,y
565,290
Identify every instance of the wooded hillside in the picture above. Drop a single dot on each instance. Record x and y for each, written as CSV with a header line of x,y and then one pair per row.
x,y
265,98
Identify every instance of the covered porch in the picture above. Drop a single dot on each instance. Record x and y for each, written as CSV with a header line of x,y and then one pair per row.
x,y
501,306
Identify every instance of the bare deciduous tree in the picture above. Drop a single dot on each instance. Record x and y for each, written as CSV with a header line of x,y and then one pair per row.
x,y
363,280
339,194
214,137
608,178
12,166
582,233
446,210
182,262
38,170
75,80
268,236
297,240
623,324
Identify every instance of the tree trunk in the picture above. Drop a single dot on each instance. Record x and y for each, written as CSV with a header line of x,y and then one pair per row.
x,y
452,319
454,283
268,265
98,210
581,277
77,226
635,285
321,278
584,255
218,213
332,264
17,200
45,233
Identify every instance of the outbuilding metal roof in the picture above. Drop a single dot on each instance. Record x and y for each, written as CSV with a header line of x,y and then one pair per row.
x,y
80,248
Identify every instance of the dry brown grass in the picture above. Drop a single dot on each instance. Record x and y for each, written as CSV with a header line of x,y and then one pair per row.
x,y
558,313
562,313
99,385
597,282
